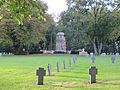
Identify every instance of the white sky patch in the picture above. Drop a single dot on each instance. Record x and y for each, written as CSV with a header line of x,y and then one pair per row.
x,y
55,7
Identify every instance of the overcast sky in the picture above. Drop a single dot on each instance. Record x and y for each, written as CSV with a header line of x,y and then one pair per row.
x,y
55,7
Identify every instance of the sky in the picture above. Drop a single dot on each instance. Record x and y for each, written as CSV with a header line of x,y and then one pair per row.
x,y
55,7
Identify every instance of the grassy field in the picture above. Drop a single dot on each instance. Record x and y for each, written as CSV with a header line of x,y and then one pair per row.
x,y
19,73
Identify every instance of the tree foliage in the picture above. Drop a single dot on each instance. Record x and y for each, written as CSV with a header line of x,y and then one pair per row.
x,y
91,21
21,9
22,36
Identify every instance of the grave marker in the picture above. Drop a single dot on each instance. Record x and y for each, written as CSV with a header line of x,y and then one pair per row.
x,y
49,70
58,67
74,60
117,55
70,63
93,59
40,73
92,72
113,58
64,64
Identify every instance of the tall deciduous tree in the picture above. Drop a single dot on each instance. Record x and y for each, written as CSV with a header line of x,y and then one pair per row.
x,y
93,19
23,35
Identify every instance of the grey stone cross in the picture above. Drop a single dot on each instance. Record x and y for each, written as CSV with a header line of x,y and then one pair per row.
x,y
49,70
64,64
93,59
58,67
40,73
92,72
70,63
74,60
113,58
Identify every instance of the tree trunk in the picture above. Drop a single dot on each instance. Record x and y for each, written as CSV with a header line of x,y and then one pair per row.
x,y
94,45
100,48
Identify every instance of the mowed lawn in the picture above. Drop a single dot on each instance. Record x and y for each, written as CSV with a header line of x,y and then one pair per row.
x,y
19,73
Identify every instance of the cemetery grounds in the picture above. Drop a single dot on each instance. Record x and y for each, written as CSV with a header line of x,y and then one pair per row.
x,y
19,73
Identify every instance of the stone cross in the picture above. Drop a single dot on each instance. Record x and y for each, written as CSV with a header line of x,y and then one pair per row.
x,y
92,72
113,58
58,67
49,70
40,73
117,55
93,59
74,60
64,64
70,63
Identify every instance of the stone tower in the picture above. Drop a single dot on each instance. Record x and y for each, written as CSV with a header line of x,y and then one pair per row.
x,y
60,42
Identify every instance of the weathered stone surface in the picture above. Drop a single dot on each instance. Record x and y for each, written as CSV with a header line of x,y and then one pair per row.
x,y
113,58
93,59
49,70
74,59
92,72
58,67
70,63
117,55
60,42
40,73
64,64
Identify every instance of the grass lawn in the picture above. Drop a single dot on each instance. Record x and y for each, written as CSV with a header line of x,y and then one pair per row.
x,y
19,73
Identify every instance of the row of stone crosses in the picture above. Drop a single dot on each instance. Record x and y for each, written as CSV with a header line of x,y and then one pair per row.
x,y
41,72
92,70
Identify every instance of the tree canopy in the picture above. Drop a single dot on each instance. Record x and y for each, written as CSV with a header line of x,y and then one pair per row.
x,y
91,22
23,23
20,9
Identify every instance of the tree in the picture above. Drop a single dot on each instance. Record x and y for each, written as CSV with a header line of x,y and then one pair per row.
x,y
91,20
21,9
22,36
72,24
33,22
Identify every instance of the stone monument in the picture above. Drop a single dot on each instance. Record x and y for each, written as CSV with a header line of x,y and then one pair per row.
x,y
60,42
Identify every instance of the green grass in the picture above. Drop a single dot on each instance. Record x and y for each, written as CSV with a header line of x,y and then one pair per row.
x,y
19,73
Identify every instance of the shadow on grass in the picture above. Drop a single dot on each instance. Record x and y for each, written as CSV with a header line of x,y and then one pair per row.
x,y
79,71
107,82
70,76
